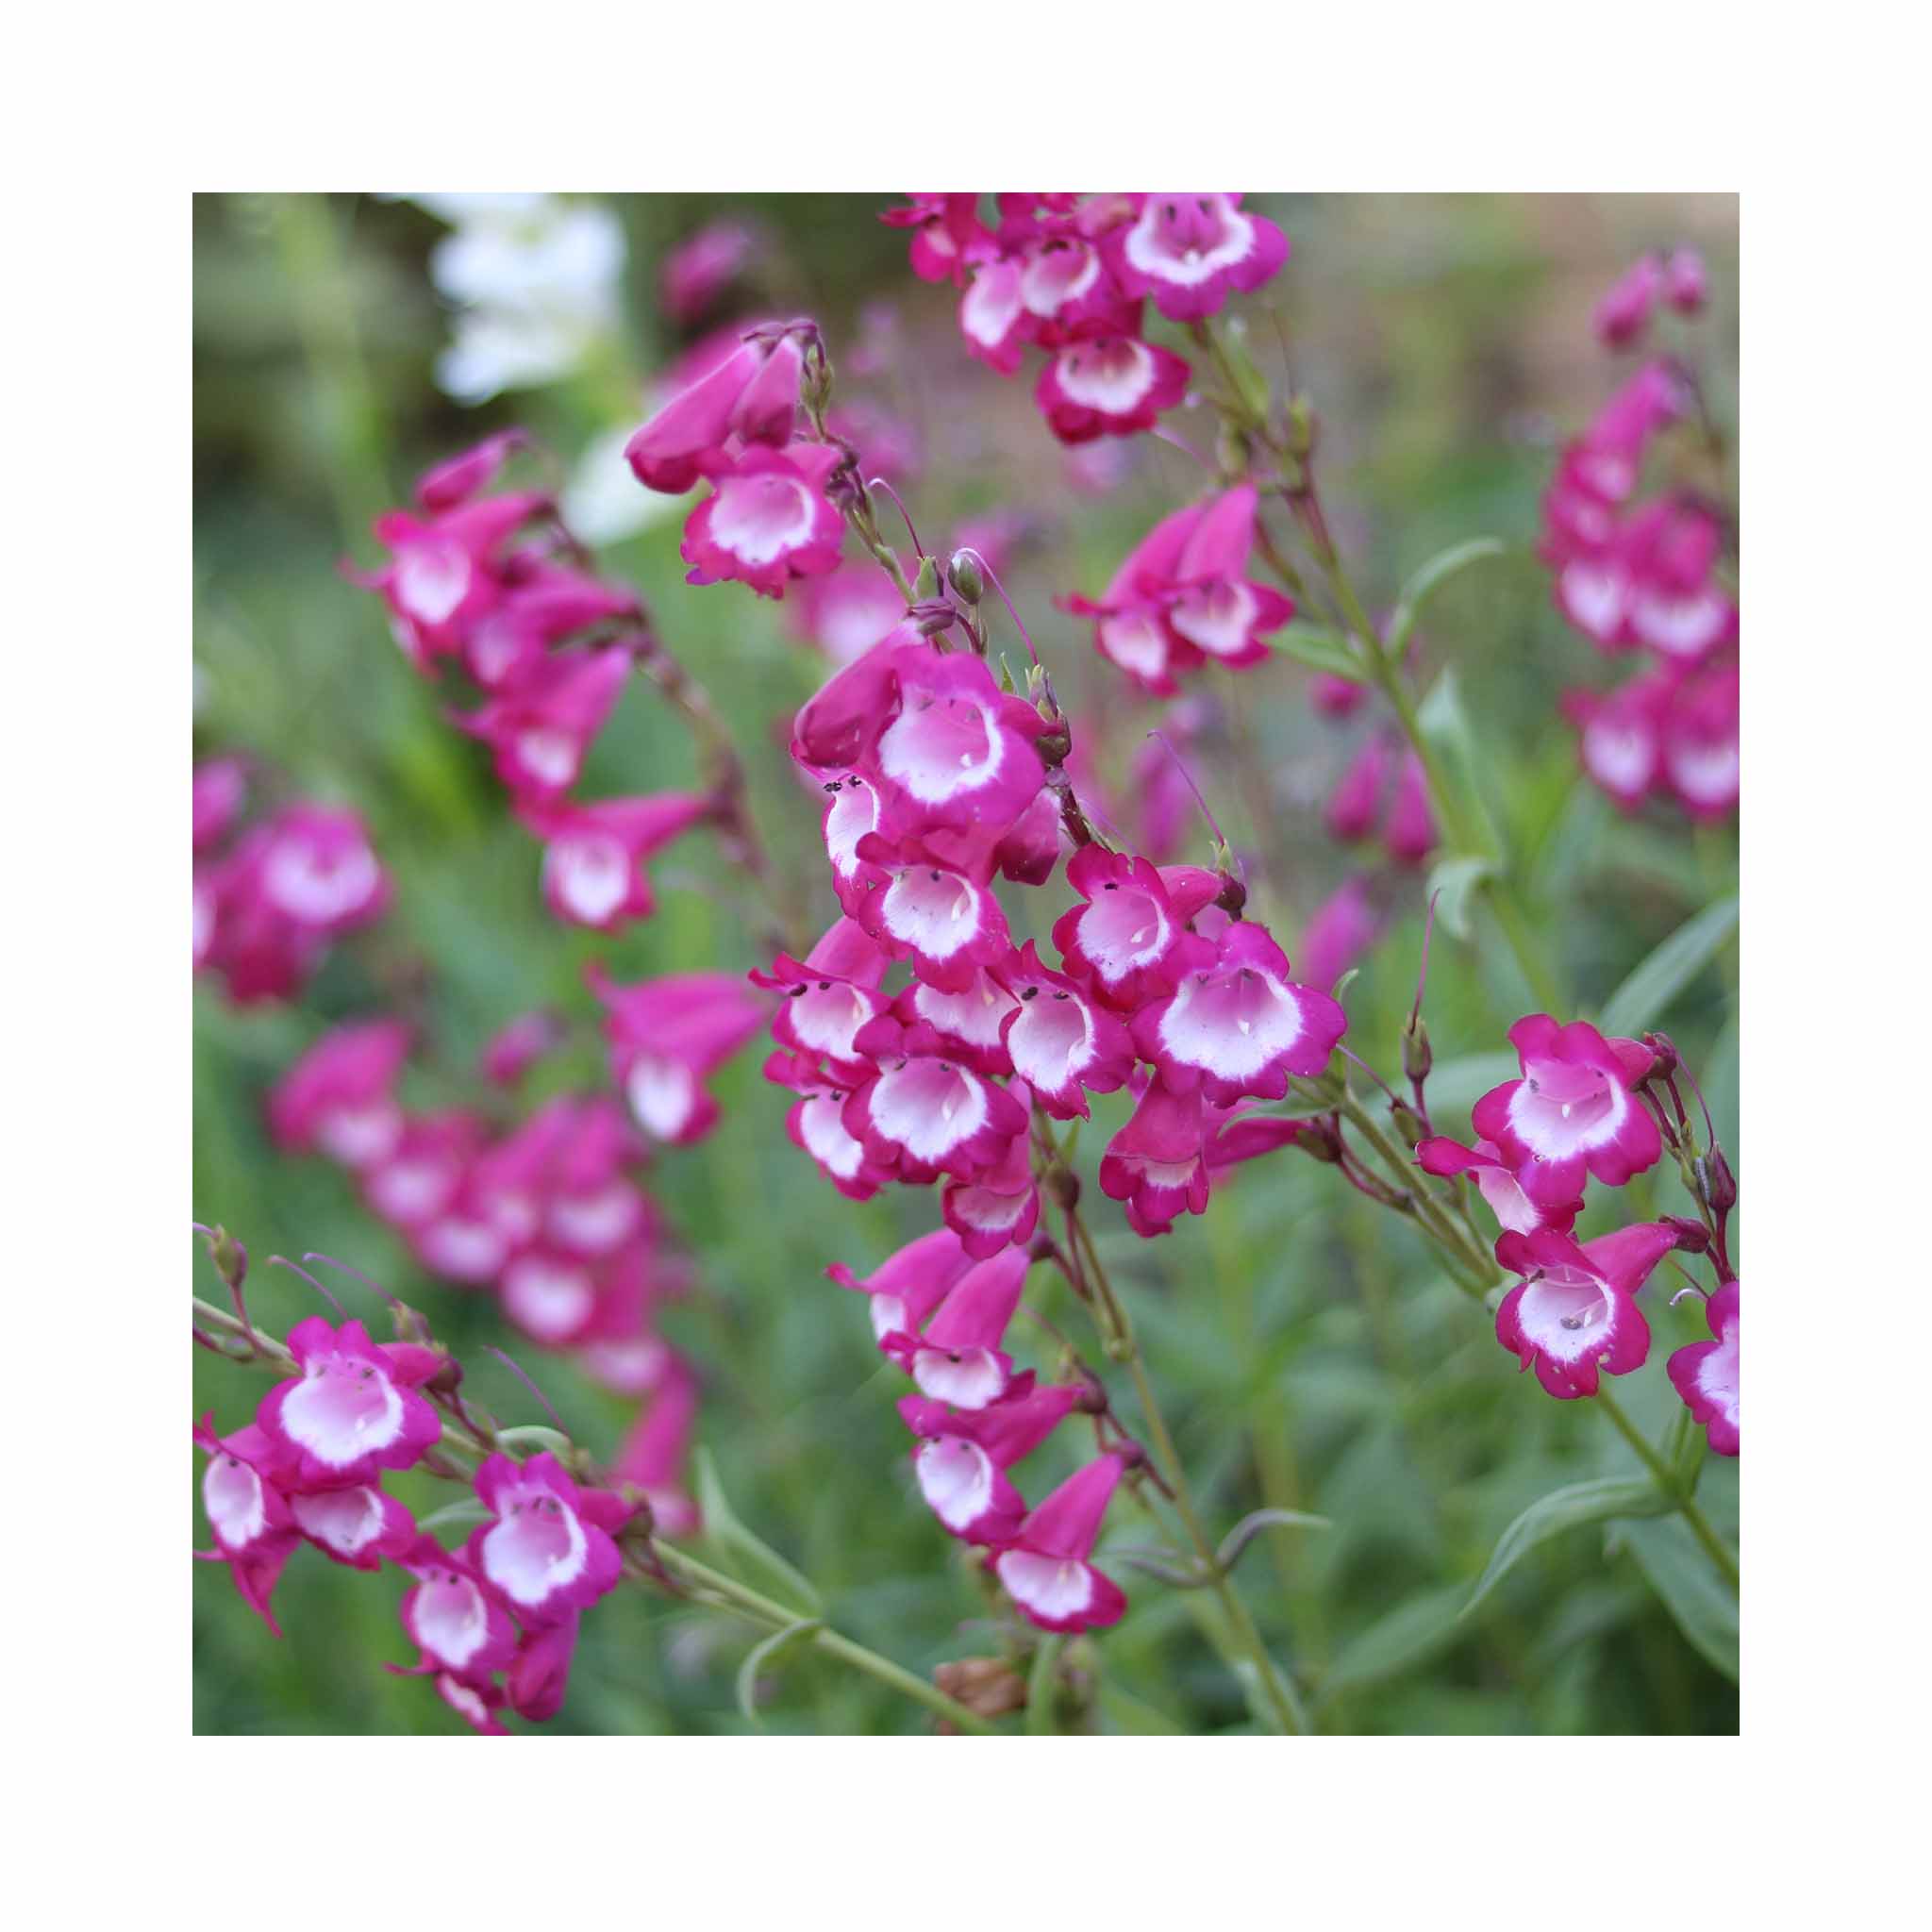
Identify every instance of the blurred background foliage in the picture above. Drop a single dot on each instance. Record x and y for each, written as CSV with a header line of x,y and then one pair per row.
x,y
1309,1353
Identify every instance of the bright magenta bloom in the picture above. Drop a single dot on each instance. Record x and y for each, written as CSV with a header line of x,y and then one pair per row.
x,y
1575,1313
1045,1568
1705,1374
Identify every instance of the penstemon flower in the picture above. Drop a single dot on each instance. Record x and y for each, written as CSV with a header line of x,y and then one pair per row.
x,y
1705,1374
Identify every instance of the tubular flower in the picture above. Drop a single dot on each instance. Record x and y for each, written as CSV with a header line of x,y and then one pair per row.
x,y
667,1038
1131,629
339,1097
1574,1111
247,1510
927,1115
456,1620
962,1457
353,1410
1059,1042
594,857
957,1358
1575,1312
1045,1568
357,1525
1156,1163
1236,1024
1190,252
907,1286
1000,1208
1109,385
1515,1209
1705,1374
540,731
1128,942
766,521
548,1549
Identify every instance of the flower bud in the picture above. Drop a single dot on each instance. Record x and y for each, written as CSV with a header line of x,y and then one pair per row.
x,y
1063,1184
987,1686
1692,1236
925,586
230,1258
1666,1064
964,574
1717,1185
1416,1055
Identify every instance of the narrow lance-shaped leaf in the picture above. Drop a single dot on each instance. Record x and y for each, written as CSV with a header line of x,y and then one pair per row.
x,y
1566,1508
1646,995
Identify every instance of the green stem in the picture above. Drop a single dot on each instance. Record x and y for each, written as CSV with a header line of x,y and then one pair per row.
x,y
732,1595
1714,1545
1280,1695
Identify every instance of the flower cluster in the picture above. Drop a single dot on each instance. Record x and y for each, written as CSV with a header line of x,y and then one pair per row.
x,y
1184,597
1674,281
941,1316
547,1214
1587,1108
1072,275
269,898
1647,576
493,583
494,1623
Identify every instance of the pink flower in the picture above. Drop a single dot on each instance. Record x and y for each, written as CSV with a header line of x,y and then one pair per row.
x,y
247,1511
993,316
549,1548
926,1115
1574,1110
1410,834
907,1286
1128,943
593,862
541,729
698,271
964,1026
829,997
1675,608
541,604
1131,630
456,1620
668,1036
962,1458
357,1525
340,1095
1045,1568
1340,931
444,574
957,1358
540,1673
317,869
1236,1024
353,1410
1191,252
948,237
1624,312
1002,1208
766,521
1575,1312
1336,697
1705,1374
422,1174
1114,385
816,1125
1356,803
1156,1163
1686,287
947,922
750,396
653,1454
220,786
1061,1042
1513,1206
1700,749
512,1051
1620,740
1216,608
457,478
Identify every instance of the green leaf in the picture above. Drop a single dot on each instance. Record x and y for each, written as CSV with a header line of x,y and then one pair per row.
x,y
1646,995
1445,724
1456,879
1322,650
468,1510
763,1654
1428,579
745,1556
1702,1604
1566,1508
1409,1635
1251,1525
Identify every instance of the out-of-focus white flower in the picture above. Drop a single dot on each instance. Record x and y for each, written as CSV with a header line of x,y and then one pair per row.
x,y
535,283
